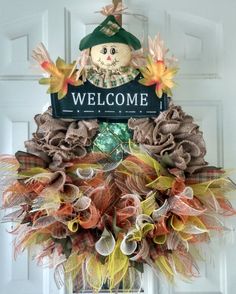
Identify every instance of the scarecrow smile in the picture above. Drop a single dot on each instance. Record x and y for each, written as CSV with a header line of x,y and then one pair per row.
x,y
112,63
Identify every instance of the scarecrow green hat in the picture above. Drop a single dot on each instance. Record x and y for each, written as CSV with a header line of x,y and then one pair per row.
x,y
109,31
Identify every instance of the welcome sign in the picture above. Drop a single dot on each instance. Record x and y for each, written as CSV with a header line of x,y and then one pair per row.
x,y
129,100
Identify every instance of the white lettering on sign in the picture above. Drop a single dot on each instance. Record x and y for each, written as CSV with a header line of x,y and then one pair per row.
x,y
78,98
143,100
99,100
121,101
107,99
91,97
132,100
110,99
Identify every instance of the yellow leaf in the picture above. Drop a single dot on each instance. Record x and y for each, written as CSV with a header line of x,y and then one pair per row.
x,y
159,92
156,72
61,75
44,81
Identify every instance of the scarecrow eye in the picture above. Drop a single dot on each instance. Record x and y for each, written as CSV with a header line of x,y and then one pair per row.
x,y
113,51
104,50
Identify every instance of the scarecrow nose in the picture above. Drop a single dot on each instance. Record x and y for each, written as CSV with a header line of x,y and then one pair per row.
x,y
109,57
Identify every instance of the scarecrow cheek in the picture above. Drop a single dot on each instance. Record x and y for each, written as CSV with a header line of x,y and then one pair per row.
x,y
98,54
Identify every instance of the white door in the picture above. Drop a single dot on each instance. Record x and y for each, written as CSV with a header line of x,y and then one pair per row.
x,y
200,33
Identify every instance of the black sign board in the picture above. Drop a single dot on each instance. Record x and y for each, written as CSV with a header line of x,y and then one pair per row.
x,y
129,100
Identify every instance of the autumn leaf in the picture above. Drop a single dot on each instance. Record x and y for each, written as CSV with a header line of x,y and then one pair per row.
x,y
156,73
62,74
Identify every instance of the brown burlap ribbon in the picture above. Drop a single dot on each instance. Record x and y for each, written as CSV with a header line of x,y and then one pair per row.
x,y
172,132
61,140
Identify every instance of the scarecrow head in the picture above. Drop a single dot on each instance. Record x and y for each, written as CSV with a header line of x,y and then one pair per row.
x,y
110,45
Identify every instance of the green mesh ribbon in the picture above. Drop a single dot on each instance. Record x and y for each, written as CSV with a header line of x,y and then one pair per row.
x,y
110,139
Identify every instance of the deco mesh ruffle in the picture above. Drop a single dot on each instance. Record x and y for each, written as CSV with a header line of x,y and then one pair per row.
x,y
173,133
87,211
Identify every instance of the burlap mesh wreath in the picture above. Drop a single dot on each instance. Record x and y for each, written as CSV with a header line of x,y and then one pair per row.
x,y
174,133
59,141
98,204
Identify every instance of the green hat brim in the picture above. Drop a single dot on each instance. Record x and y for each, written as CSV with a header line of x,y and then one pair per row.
x,y
97,37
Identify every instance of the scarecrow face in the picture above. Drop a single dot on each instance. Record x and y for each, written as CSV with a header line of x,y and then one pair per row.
x,y
111,55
